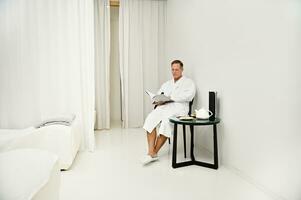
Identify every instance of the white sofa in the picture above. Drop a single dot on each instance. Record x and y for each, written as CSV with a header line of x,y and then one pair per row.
x,y
64,141
29,174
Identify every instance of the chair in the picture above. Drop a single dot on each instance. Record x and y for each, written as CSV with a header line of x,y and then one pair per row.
x,y
184,127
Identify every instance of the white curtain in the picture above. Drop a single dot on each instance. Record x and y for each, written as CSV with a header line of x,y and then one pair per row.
x,y
47,62
102,64
141,40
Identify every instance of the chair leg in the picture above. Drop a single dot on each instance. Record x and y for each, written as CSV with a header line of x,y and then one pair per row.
x,y
184,137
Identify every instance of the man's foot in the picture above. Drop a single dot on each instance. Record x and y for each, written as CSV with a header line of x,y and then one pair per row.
x,y
148,159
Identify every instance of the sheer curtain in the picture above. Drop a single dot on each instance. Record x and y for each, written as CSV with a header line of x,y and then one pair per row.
x,y
141,40
102,63
47,63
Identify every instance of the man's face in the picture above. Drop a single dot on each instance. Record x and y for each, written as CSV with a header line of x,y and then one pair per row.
x,y
176,71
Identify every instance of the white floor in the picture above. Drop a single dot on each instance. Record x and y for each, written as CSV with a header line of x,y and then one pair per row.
x,y
114,172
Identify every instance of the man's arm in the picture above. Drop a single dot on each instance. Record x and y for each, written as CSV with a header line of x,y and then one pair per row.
x,y
161,89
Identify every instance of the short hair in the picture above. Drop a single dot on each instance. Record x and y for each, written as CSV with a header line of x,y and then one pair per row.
x,y
177,62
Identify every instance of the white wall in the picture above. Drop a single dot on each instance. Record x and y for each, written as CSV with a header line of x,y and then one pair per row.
x,y
247,51
114,67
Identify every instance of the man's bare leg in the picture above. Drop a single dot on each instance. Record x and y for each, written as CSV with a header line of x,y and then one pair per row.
x,y
151,140
159,143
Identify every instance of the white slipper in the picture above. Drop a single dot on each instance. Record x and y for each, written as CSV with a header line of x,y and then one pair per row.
x,y
148,159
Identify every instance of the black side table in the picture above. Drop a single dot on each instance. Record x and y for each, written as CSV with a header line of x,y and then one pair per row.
x,y
191,124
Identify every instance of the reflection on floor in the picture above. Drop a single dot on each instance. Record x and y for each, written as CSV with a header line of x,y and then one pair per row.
x,y
114,172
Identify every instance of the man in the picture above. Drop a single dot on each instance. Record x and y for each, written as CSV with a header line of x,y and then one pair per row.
x,y
181,90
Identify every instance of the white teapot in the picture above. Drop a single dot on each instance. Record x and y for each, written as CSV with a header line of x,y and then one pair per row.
x,y
203,113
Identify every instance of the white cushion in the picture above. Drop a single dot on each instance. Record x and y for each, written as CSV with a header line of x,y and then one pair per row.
x,y
8,135
24,172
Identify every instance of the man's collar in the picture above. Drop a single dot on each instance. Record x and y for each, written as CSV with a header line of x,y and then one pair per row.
x,y
175,81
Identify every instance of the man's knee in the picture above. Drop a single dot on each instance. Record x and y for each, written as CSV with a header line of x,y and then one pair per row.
x,y
163,136
152,132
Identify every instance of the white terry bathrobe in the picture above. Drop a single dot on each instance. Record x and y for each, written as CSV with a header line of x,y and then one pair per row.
x,y
181,92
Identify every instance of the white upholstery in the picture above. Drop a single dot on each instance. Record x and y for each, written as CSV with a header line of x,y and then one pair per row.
x,y
64,141
29,174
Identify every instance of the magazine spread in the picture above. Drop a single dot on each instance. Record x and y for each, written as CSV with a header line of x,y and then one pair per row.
x,y
159,97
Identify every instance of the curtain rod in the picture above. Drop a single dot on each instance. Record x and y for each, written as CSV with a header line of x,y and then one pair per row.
x,y
115,3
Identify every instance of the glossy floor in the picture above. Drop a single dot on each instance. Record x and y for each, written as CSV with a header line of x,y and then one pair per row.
x,y
114,172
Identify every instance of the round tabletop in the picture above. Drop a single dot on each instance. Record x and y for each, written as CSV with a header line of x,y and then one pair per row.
x,y
194,121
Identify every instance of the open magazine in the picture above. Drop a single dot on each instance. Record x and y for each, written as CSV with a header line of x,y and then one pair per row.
x,y
159,97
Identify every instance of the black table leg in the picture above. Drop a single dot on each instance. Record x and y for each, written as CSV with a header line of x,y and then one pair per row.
x,y
184,137
192,143
174,147
193,161
215,147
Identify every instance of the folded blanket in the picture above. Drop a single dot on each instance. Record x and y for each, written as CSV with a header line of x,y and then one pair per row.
x,y
63,120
